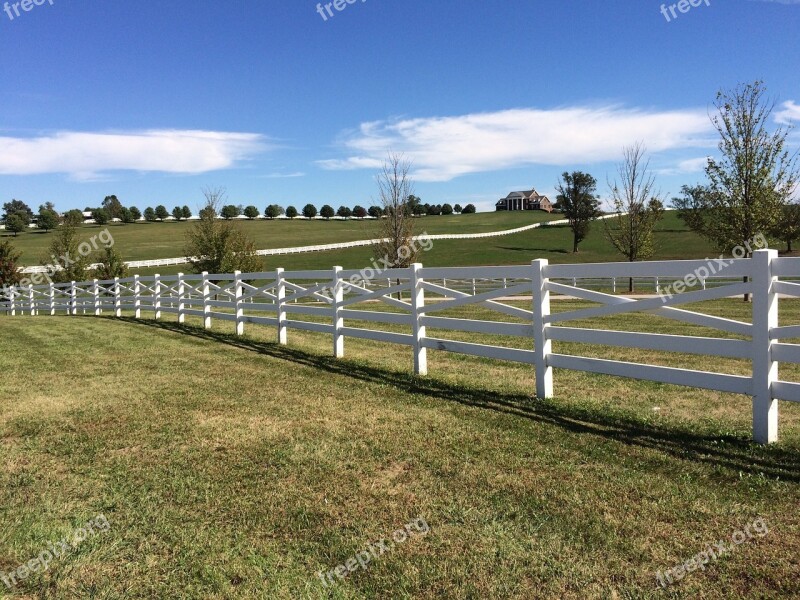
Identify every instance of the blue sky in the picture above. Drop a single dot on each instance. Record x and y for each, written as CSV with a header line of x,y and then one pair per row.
x,y
154,101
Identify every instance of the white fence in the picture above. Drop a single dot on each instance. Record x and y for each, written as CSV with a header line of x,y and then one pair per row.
x,y
279,297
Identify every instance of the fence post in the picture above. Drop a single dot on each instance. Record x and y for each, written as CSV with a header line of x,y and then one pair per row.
x,y
281,302
655,284
206,306
765,370
181,299
542,345
338,321
237,288
157,296
96,297
73,293
52,295
13,300
137,298
117,301
31,303
418,313
613,285
474,289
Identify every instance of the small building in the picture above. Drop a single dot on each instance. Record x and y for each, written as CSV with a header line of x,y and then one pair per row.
x,y
530,200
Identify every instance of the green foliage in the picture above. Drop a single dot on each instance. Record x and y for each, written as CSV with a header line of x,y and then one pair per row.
x,y
149,214
100,216
9,259
135,213
186,212
457,209
344,212
309,211
447,209
274,211
230,211
359,212
16,223
65,251
17,206
110,264
47,219
469,209
326,211
73,217
251,212
161,212
177,213
579,203
787,228
113,206
375,212
127,215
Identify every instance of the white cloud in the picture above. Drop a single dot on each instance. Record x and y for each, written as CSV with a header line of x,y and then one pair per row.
x,y
692,165
87,156
789,112
442,148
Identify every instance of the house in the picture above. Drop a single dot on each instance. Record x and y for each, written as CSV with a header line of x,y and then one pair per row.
x,y
530,200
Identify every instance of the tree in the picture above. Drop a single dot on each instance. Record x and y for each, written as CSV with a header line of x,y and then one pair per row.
x,y
65,251
376,212
580,204
100,216
74,217
787,228
273,211
47,219
149,214
230,211
309,211
469,209
177,213
638,208
397,229
161,212
251,212
113,206
359,212
219,246
326,212
457,209
9,270
186,213
135,213
434,210
16,223
751,181
47,206
447,209
127,215
17,206
344,212
291,212
110,264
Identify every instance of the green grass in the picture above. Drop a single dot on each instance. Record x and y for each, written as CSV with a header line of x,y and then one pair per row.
x,y
235,468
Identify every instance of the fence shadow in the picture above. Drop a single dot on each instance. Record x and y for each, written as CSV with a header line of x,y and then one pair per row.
x,y
738,454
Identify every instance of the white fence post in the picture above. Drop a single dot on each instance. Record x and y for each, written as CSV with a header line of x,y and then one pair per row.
x,y
31,303
157,296
542,345
181,299
73,293
206,306
765,370
137,297
338,321
474,289
613,285
96,297
280,300
237,290
13,301
117,301
52,295
418,313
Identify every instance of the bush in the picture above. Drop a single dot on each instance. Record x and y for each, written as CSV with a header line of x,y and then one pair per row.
x,y
220,246
110,264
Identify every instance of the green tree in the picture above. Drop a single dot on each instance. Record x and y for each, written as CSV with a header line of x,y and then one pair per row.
x,y
161,212
100,216
376,212
251,212
177,213
359,212
291,212
309,211
580,204
219,246
344,212
273,211
787,228
135,213
457,209
17,206
326,211
186,213
16,223
230,211
149,214
469,209
9,269
113,206
109,264
447,209
65,251
48,219
638,208
127,215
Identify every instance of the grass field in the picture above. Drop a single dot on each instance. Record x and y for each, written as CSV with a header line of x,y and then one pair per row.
x,y
236,468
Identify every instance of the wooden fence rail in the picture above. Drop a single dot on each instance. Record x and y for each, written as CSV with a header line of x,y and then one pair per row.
x,y
326,301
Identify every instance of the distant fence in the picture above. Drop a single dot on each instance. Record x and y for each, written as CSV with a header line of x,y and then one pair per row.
x,y
277,298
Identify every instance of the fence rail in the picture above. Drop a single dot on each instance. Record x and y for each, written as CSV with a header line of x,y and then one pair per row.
x,y
326,301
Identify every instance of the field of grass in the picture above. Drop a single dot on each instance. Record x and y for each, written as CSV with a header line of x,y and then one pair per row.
x,y
146,241
235,468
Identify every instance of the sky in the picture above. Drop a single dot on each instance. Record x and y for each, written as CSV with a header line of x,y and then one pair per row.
x,y
287,102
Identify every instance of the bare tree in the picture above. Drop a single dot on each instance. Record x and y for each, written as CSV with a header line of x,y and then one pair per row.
x,y
638,207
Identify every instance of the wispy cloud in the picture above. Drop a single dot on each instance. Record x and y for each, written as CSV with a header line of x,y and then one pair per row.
x,y
283,175
790,111
442,148
89,156
692,165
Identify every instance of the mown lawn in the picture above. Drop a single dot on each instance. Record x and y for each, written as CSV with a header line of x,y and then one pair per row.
x,y
235,468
